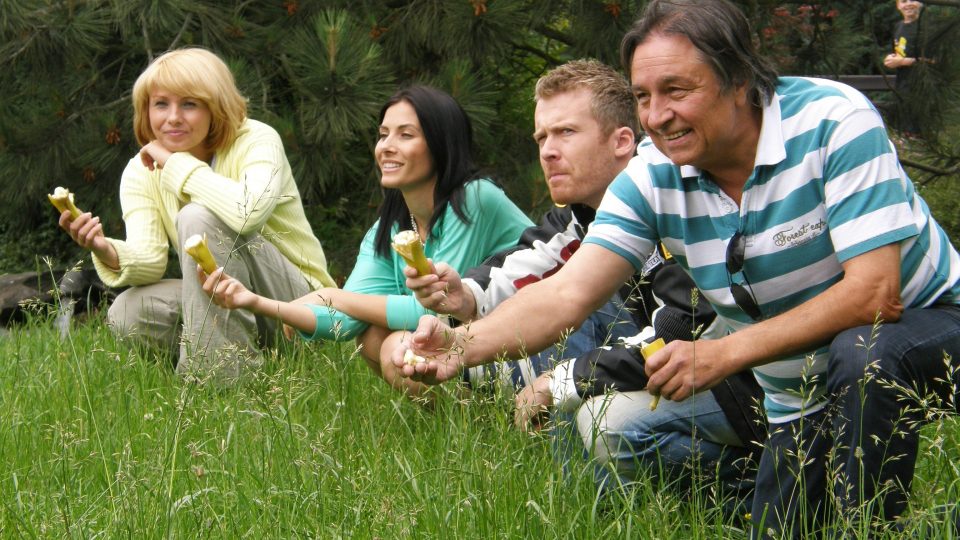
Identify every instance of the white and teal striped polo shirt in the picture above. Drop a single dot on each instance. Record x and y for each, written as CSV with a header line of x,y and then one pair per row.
x,y
826,187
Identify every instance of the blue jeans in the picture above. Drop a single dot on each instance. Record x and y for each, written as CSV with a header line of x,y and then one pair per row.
x,y
630,442
870,426
606,325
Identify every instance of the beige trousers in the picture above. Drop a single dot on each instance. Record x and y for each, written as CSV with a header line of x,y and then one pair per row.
x,y
214,343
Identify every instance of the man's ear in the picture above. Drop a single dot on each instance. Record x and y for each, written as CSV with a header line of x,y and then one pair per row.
x,y
741,94
625,141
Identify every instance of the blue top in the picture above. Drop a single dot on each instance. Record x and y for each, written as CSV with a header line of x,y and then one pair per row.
x,y
826,187
495,224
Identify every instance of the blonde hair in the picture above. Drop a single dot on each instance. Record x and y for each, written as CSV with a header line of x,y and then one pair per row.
x,y
197,73
612,103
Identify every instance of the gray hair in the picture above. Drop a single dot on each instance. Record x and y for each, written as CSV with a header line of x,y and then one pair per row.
x,y
720,31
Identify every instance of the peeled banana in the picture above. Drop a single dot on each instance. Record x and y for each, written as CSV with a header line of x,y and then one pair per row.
x,y
412,359
62,199
647,351
196,247
408,245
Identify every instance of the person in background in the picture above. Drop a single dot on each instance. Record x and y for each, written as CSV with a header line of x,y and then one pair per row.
x,y
204,168
903,58
784,200
431,187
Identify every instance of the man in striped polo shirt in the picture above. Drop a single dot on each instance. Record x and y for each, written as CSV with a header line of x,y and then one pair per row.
x,y
784,200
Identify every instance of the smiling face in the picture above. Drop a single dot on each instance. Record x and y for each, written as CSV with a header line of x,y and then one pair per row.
x,y
683,110
579,161
180,124
910,9
401,152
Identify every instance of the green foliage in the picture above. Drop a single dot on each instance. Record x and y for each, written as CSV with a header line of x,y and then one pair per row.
x,y
806,39
338,82
319,72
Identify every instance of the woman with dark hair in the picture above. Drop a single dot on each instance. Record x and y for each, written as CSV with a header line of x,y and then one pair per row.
x,y
431,187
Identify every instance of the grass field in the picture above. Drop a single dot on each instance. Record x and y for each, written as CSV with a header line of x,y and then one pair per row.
x,y
99,439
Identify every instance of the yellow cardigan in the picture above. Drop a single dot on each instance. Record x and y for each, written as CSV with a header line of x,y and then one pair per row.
x,y
249,186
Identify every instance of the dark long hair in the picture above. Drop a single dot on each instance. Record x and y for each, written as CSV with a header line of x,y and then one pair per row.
x,y
720,31
449,136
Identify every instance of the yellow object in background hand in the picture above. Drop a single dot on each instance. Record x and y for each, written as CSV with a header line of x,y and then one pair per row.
x,y
196,247
408,245
62,199
647,351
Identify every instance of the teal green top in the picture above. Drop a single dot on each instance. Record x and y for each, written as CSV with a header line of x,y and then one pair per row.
x,y
495,224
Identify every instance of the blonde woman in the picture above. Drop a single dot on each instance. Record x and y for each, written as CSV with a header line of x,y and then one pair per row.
x,y
204,168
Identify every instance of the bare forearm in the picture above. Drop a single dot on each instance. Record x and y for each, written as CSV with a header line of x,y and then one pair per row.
x,y
369,308
801,329
104,251
517,327
540,313
866,292
298,316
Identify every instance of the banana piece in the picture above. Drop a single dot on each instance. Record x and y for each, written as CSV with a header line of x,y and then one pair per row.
x,y
62,199
196,246
408,245
411,359
647,351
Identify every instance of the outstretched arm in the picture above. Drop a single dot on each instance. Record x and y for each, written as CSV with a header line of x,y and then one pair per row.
x,y
369,308
530,321
229,293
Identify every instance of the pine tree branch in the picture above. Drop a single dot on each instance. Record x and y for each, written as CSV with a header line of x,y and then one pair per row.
x,y
552,60
41,15
77,114
525,67
546,31
146,39
103,71
949,3
24,47
186,22
930,168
